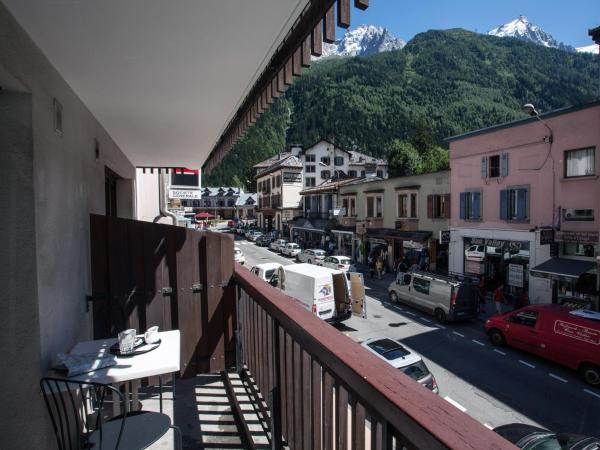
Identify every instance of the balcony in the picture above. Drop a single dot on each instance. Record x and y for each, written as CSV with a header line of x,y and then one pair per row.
x,y
259,370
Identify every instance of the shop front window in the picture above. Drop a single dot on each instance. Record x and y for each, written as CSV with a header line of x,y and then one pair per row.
x,y
573,249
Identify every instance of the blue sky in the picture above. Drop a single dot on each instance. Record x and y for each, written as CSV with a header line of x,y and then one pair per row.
x,y
567,22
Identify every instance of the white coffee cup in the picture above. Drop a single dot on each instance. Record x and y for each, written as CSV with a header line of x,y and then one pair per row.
x,y
151,335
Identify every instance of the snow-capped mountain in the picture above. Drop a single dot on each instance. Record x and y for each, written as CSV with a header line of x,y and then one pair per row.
x,y
588,49
362,41
521,28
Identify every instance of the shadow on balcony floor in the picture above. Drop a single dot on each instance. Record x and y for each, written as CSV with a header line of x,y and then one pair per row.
x,y
203,412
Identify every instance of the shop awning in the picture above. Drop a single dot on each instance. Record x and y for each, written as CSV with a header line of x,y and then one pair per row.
x,y
312,230
562,267
419,236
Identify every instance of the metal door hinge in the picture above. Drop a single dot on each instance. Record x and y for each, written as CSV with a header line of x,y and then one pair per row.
x,y
167,291
196,287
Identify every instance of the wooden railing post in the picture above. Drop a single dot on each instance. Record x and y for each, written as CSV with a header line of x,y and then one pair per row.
x,y
239,349
275,394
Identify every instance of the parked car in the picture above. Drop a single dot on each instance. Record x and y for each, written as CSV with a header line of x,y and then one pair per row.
x,y
291,249
278,244
263,241
444,297
475,253
267,272
402,357
565,336
254,236
342,263
528,437
312,256
238,255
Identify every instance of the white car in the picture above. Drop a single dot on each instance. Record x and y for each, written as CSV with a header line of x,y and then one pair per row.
x,y
312,256
402,357
254,236
342,263
291,249
475,253
266,271
238,255
278,244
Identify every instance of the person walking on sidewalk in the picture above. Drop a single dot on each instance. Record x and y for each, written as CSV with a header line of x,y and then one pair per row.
x,y
499,298
379,267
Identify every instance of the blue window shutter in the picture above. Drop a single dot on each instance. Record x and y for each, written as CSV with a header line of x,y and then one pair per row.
x,y
463,205
504,204
504,165
476,205
521,204
484,170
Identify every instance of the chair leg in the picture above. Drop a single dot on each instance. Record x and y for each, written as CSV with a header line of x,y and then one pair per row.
x,y
177,430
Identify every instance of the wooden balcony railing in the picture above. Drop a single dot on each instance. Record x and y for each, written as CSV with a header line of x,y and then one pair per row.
x,y
325,391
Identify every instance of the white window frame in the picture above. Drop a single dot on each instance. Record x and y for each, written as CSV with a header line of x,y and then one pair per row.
x,y
409,201
374,197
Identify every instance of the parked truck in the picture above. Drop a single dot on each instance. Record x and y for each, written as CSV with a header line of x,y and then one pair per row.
x,y
330,294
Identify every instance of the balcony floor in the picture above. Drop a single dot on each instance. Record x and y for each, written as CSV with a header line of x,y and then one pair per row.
x,y
203,412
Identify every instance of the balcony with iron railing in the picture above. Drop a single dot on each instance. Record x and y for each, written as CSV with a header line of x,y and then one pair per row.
x,y
257,369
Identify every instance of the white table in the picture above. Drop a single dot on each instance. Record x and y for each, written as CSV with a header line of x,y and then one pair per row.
x,y
163,360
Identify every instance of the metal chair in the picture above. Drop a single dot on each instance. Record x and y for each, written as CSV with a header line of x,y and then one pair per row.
x,y
77,412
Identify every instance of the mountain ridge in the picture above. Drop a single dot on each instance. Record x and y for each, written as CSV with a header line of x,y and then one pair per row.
x,y
363,40
521,28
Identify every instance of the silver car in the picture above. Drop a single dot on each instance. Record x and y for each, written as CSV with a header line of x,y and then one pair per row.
x,y
342,263
238,255
403,358
311,256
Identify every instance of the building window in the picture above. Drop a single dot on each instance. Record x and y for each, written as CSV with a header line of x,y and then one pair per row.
x,y
338,160
403,205
310,169
580,163
470,205
573,249
326,160
353,207
272,183
309,181
325,174
352,173
438,206
514,204
278,180
345,206
362,173
230,202
310,158
196,203
380,173
413,205
374,206
494,166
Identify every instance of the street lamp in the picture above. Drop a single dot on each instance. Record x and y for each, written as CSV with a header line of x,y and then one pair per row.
x,y
528,108
322,164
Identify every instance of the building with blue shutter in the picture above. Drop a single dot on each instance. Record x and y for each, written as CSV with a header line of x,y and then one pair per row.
x,y
526,199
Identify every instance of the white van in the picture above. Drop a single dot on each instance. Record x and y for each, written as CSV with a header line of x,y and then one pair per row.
x,y
266,271
325,292
444,297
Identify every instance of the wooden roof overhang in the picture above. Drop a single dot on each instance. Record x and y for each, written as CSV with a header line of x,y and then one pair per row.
x,y
315,25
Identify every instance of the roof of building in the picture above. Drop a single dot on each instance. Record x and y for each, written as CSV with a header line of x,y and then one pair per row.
x,y
515,123
272,160
287,162
328,185
215,191
246,199
356,158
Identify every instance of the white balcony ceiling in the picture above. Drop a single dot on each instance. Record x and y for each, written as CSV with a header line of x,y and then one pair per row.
x,y
162,76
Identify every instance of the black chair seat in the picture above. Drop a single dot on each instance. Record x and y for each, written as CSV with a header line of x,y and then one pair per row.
x,y
142,429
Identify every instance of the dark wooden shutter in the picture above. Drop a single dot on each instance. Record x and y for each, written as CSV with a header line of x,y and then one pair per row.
x,y
504,204
504,165
463,205
447,204
430,206
521,204
476,199
484,164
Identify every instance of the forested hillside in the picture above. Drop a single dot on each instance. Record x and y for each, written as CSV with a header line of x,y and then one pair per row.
x,y
441,84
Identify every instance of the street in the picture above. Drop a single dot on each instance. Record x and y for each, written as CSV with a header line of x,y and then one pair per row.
x,y
494,385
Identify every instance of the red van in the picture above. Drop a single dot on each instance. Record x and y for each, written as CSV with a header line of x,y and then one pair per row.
x,y
568,337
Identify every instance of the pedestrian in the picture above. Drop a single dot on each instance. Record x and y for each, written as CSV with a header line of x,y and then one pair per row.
x,y
499,298
371,268
481,293
379,267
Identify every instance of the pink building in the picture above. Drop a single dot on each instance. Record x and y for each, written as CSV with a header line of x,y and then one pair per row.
x,y
526,199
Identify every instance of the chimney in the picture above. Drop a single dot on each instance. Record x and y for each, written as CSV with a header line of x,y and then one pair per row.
x,y
296,149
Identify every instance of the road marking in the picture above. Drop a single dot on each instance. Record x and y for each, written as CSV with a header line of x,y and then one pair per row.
x,y
456,404
592,393
425,320
487,425
458,334
478,343
409,313
500,351
525,363
441,326
556,377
